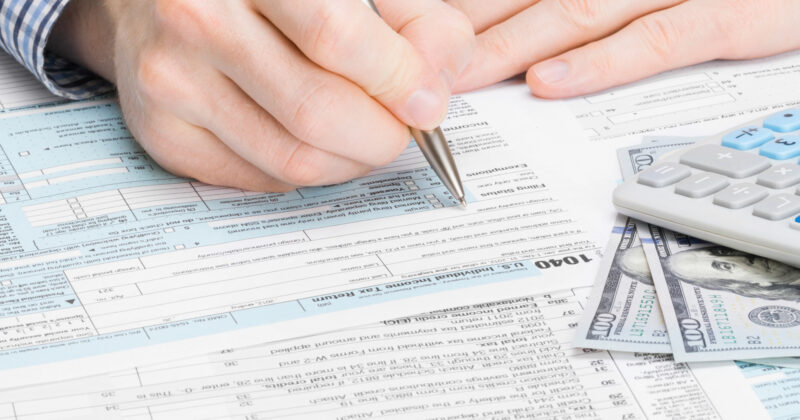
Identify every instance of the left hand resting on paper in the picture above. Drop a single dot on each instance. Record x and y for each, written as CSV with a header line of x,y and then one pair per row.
x,y
575,47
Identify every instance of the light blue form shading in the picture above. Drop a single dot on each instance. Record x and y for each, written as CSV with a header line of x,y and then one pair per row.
x,y
264,315
93,140
781,397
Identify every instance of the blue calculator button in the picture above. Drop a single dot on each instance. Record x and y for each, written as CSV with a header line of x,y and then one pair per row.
x,y
784,121
782,148
747,138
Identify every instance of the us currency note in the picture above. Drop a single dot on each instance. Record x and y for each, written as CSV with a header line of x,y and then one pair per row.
x,y
722,304
623,313
764,341
635,159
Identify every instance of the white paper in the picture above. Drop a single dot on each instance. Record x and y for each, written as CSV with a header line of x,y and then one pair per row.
x,y
692,101
580,174
19,89
509,359
113,262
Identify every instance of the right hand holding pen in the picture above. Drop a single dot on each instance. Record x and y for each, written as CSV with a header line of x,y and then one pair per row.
x,y
268,95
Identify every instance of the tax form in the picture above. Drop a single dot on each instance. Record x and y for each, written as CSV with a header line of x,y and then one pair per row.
x,y
776,387
698,100
506,359
512,343
110,262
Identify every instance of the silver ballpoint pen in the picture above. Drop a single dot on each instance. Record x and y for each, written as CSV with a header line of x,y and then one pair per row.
x,y
435,149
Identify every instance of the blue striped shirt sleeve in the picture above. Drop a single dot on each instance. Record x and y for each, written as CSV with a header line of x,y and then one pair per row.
x,y
24,28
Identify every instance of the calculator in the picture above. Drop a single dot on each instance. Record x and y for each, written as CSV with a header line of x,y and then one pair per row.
x,y
740,189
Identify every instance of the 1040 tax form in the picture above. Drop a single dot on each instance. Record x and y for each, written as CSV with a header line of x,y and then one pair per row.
x,y
509,359
108,262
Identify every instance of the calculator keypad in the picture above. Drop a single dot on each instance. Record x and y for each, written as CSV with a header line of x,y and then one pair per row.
x,y
784,121
782,148
781,176
778,207
747,138
740,195
701,185
664,174
725,161
740,188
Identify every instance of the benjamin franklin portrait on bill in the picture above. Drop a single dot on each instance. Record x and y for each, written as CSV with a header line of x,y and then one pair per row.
x,y
720,268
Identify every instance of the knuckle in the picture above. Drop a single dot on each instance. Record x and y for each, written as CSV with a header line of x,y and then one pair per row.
x,y
500,43
462,23
301,168
582,15
401,75
660,36
467,7
308,113
327,35
603,63
461,31
154,78
470,11
170,12
187,18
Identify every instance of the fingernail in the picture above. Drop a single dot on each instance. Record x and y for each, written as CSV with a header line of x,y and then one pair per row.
x,y
552,71
424,108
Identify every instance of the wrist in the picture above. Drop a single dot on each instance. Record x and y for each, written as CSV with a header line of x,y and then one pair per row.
x,y
84,34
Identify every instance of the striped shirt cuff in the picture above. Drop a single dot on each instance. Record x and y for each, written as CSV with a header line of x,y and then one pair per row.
x,y
24,28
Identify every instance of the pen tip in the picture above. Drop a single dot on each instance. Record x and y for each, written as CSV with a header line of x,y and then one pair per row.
x,y
463,201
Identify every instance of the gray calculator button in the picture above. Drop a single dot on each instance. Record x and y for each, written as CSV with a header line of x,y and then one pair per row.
x,y
779,177
740,195
701,185
725,161
778,207
663,174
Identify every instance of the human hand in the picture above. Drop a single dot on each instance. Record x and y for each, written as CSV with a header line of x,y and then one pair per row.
x,y
575,47
268,95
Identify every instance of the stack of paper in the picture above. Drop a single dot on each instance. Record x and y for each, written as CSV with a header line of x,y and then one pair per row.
x,y
128,292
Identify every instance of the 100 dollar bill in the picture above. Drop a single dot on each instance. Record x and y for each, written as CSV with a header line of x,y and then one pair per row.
x,y
635,159
623,312
722,304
